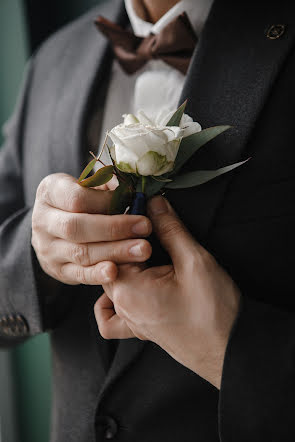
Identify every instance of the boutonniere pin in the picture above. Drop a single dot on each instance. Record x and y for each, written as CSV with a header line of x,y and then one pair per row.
x,y
147,156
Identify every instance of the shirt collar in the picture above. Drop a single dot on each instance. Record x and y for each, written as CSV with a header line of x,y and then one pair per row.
x,y
196,10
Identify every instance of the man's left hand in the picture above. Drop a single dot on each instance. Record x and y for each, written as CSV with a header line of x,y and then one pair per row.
x,y
187,308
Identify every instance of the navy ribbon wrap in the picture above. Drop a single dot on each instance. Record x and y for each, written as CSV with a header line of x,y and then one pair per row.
x,y
139,204
159,256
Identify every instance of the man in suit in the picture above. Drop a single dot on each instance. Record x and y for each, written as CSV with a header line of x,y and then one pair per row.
x,y
211,337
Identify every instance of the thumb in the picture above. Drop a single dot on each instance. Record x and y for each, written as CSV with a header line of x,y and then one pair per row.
x,y
172,233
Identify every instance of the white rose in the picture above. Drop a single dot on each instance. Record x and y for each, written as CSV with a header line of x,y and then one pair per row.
x,y
149,147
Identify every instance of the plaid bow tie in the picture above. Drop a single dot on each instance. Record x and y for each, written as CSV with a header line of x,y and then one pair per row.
x,y
174,44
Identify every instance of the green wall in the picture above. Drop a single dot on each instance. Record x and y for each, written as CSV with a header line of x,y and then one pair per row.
x,y
13,52
25,371
31,363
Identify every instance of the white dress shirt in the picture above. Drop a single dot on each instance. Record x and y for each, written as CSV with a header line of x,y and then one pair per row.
x,y
157,86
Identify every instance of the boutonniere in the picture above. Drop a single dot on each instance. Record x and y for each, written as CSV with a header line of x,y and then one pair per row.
x,y
148,154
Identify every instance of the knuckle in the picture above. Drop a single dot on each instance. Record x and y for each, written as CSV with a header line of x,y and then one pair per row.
x,y
69,227
120,299
43,189
170,228
114,229
80,275
140,336
60,271
37,245
204,261
207,259
34,242
38,219
80,254
117,295
35,222
76,199
117,253
105,330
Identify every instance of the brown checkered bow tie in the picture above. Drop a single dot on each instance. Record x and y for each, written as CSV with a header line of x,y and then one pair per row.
x,y
174,44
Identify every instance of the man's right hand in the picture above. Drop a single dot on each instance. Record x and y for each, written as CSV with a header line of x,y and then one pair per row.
x,y
75,241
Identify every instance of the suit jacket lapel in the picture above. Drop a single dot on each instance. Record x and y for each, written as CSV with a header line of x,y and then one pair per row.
x,y
231,75
232,71
86,74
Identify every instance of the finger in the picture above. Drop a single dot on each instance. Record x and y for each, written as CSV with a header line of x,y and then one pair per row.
x,y
87,254
173,235
113,183
110,185
85,228
110,325
98,274
63,192
126,273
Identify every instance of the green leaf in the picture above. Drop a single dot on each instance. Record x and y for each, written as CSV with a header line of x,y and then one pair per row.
x,y
191,144
100,177
87,170
152,187
176,117
121,199
162,180
199,177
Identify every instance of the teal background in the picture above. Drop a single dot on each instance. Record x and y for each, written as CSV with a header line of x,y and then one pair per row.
x,y
25,375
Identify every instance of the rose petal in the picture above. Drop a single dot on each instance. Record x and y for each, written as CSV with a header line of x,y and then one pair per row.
x,y
144,119
191,128
130,119
151,163
167,168
163,116
172,150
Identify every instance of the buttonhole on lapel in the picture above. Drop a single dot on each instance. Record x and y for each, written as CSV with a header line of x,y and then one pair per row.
x,y
275,31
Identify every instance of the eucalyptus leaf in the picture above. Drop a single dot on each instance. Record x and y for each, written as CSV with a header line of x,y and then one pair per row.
x,y
102,176
176,117
87,170
191,144
121,199
199,177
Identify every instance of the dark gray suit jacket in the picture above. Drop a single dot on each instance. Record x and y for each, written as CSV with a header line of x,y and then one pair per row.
x,y
238,76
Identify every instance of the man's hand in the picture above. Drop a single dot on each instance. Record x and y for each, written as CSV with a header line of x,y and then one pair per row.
x,y
75,241
187,308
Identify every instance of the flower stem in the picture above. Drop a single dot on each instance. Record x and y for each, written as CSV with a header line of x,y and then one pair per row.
x,y
97,159
143,183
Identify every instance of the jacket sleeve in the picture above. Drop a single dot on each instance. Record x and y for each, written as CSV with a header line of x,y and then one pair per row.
x,y
28,297
258,383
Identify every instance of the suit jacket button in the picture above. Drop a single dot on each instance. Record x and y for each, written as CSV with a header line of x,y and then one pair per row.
x,y
22,327
4,326
14,326
107,426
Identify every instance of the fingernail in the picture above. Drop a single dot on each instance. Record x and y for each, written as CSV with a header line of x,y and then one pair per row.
x,y
141,228
158,206
136,250
105,273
